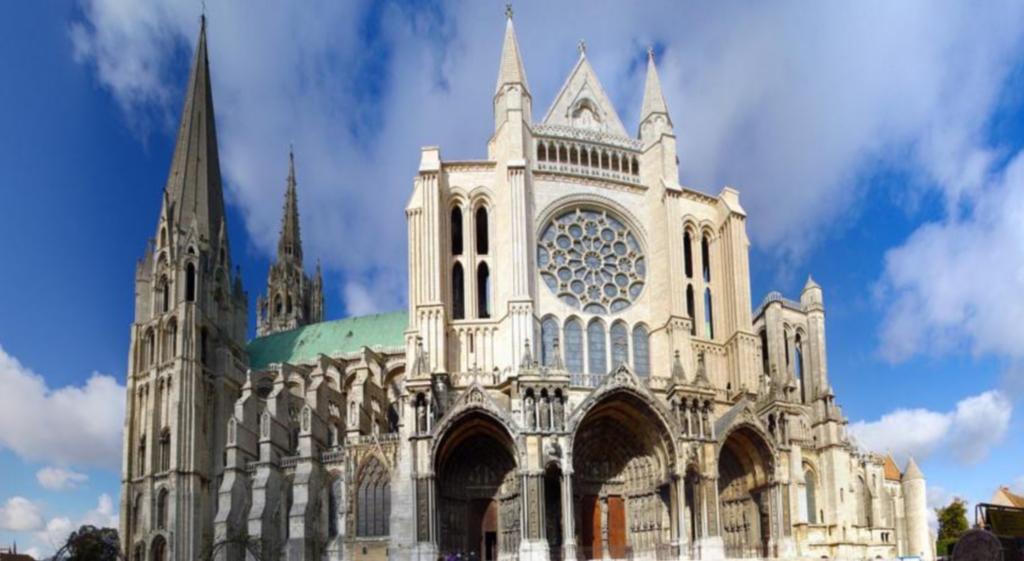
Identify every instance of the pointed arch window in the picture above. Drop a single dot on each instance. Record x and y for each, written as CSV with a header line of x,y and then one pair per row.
x,y
165,450
190,282
799,367
482,240
278,306
705,257
765,353
137,512
548,336
597,362
171,343
709,315
373,506
140,461
542,152
165,294
688,254
641,351
334,495
690,305
148,349
620,344
456,231
162,508
574,346
458,292
810,492
483,291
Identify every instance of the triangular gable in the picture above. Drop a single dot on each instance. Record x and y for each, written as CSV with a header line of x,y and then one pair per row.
x,y
583,103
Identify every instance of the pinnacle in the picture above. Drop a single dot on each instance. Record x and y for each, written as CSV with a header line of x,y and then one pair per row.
x,y
289,247
654,100
511,68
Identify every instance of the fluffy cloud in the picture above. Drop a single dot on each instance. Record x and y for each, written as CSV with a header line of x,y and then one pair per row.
x,y
19,514
57,529
956,284
59,479
360,86
82,424
975,426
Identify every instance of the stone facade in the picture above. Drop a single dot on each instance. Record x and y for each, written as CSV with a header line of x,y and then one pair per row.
x,y
581,374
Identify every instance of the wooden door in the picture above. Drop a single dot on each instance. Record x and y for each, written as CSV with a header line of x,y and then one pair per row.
x,y
589,526
616,527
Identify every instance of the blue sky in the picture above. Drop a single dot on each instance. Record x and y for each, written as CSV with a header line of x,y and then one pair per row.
x,y
876,147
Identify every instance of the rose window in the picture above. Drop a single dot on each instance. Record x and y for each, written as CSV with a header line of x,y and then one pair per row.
x,y
591,260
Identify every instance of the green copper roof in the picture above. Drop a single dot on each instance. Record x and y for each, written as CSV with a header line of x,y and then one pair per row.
x,y
331,338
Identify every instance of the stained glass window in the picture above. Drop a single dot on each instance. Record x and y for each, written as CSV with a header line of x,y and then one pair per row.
x,y
374,506
597,363
574,346
641,352
548,334
592,261
620,344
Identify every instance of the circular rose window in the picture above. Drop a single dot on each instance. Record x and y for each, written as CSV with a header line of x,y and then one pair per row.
x,y
591,260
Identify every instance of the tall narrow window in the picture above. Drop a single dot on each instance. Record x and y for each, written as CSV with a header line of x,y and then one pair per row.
x,y
810,483
799,368
542,152
765,359
190,282
456,231
597,362
458,292
574,346
688,254
171,344
641,351
483,291
620,344
161,509
548,334
165,450
333,504
165,294
864,516
690,309
709,316
705,257
278,306
140,462
148,349
480,221
373,507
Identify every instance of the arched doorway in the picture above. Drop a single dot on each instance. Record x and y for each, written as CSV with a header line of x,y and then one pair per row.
x,y
622,454
478,492
744,478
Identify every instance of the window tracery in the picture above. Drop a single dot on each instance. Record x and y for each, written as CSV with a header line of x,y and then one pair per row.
x,y
592,261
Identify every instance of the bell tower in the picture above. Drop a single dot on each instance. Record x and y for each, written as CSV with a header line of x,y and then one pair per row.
x,y
187,360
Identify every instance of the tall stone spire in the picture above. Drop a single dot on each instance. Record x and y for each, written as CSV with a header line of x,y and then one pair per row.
x,y
193,185
654,117
511,69
289,246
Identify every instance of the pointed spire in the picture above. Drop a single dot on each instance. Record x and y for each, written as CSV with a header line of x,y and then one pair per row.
x,y
289,247
702,373
511,69
912,472
678,373
194,184
654,100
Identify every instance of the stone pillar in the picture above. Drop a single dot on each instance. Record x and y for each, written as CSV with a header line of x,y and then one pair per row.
x,y
533,546
682,524
425,548
710,544
568,517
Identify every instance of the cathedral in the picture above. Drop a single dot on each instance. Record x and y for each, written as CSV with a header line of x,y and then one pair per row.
x,y
581,372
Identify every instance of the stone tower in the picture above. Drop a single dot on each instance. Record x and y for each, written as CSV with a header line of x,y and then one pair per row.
x,y
187,359
915,496
292,299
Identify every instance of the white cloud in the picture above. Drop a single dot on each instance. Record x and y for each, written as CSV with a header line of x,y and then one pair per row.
x,y
59,479
59,528
56,532
754,90
957,284
19,514
70,425
968,433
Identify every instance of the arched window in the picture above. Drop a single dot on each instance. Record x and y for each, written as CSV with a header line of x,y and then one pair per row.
x,y
480,221
163,237
542,152
574,346
799,367
202,345
374,500
288,304
458,292
483,291
574,156
709,316
620,344
333,506
548,336
165,294
165,450
161,509
597,363
810,485
456,231
171,342
765,360
636,166
190,282
159,549
137,512
148,349
641,351
688,254
278,306
705,257
690,309
140,461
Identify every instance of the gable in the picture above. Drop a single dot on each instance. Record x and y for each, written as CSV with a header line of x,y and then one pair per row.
x,y
582,103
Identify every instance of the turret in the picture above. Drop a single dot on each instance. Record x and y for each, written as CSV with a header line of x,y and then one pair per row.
x,y
915,496
513,105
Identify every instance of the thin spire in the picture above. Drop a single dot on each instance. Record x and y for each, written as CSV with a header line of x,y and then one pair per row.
x,y
654,100
194,184
511,69
289,247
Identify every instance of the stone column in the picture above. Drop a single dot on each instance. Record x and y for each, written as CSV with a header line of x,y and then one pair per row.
x,y
682,524
710,542
568,517
532,545
426,519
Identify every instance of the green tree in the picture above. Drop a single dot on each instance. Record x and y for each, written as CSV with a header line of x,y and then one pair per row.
x,y
952,524
90,543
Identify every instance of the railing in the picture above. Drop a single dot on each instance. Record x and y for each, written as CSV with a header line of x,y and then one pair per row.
x,y
559,155
332,455
290,461
371,438
466,379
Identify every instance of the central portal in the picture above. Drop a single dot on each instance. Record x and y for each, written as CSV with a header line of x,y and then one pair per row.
x,y
744,465
478,494
621,482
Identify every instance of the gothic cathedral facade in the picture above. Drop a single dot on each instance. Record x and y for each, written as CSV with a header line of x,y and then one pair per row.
x,y
580,373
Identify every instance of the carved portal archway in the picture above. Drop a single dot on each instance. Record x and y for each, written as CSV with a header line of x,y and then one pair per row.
x,y
478,491
746,493
622,481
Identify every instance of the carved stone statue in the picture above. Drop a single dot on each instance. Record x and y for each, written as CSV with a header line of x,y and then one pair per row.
x,y
545,412
529,413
